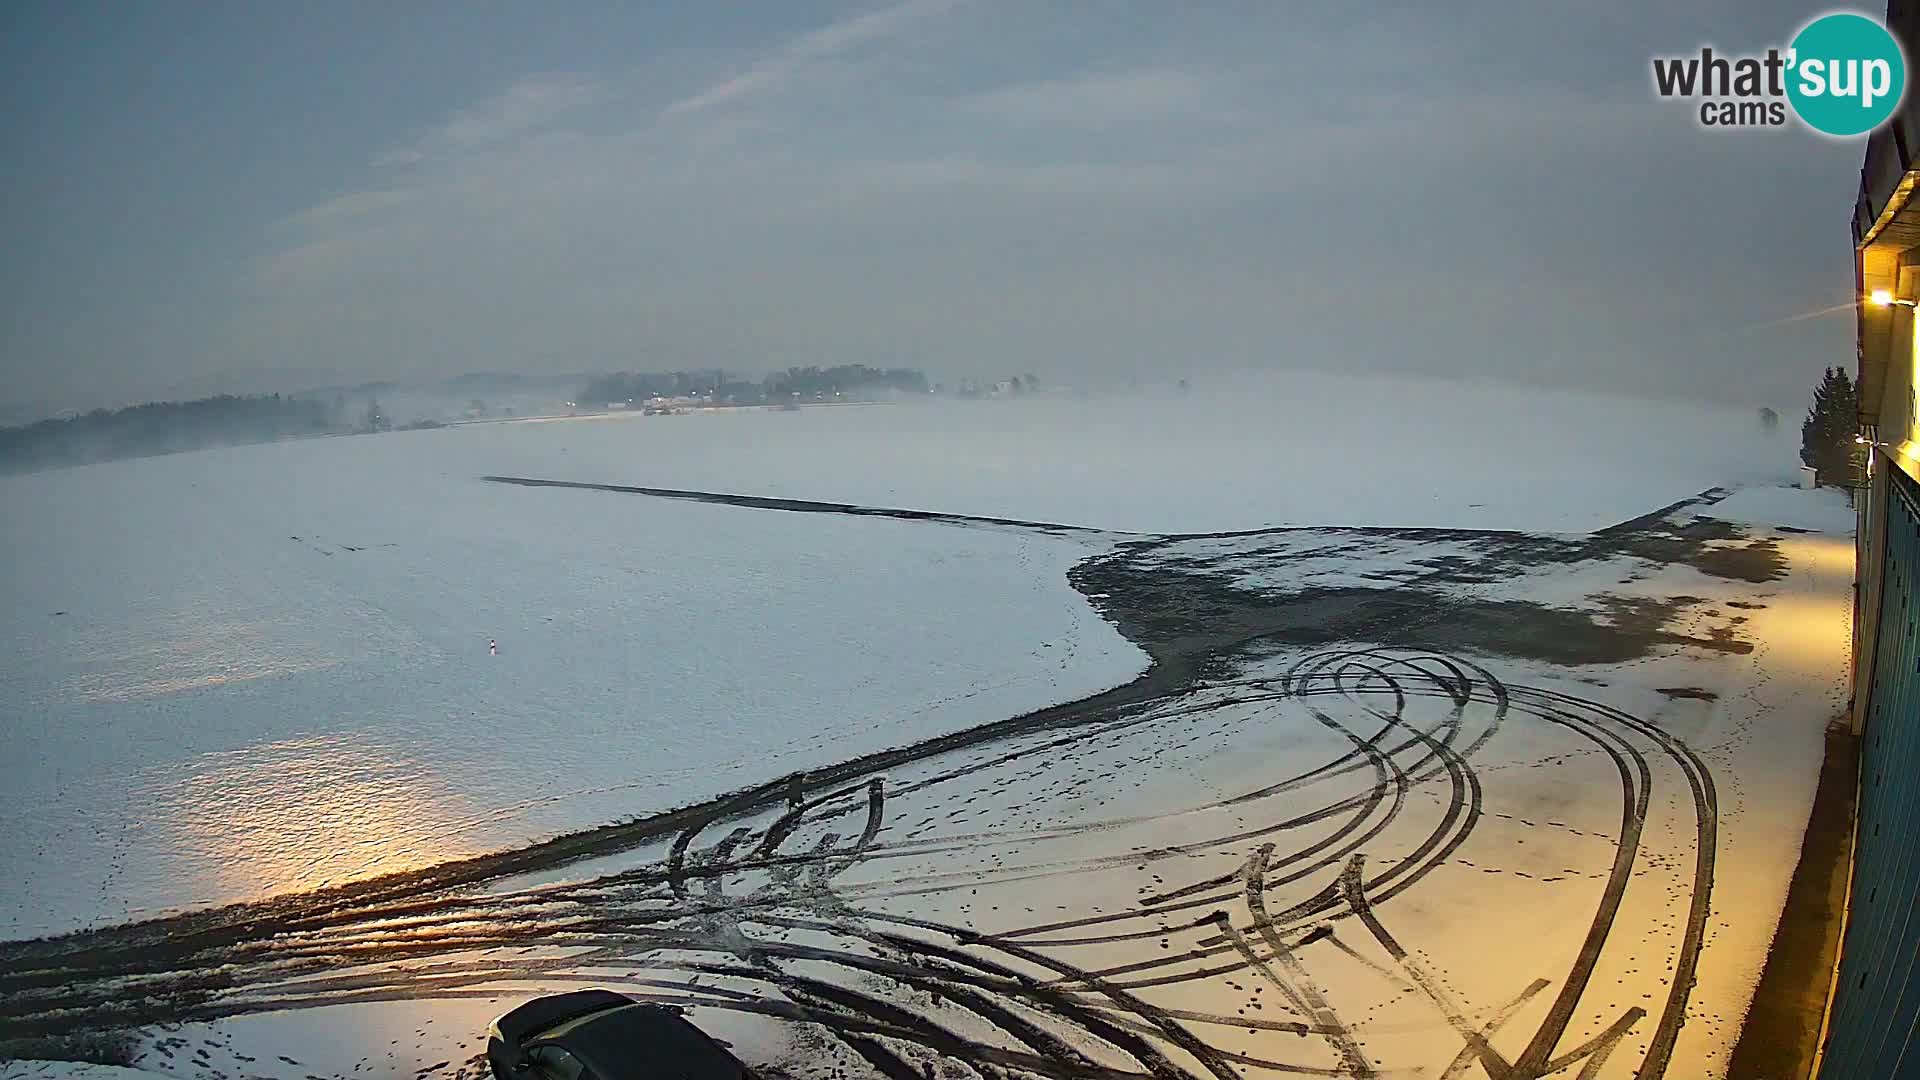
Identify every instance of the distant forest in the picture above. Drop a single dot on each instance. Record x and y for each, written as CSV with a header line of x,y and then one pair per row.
x,y
170,427
160,428
804,383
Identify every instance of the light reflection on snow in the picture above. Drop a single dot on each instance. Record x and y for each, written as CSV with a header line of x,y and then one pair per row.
x,y
305,813
187,670
1826,554
196,646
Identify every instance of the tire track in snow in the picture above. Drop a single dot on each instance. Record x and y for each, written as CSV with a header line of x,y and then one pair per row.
x,y
731,906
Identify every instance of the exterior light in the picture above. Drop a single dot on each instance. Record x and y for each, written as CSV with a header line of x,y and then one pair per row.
x,y
1881,297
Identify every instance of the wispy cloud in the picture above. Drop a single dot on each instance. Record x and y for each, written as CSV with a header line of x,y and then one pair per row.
x,y
1102,99
528,104
350,207
812,49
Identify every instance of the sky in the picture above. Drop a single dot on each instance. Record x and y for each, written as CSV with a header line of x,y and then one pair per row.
x,y
245,197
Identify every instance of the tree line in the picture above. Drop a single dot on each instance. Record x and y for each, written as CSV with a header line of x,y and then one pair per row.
x,y
161,428
803,383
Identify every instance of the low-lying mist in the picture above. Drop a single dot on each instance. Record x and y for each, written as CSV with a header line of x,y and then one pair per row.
x,y
1301,449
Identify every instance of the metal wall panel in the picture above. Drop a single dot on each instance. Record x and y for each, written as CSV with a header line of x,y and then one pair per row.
x,y
1878,993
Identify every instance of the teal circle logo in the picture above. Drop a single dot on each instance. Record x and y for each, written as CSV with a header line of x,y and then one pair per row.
x,y
1846,74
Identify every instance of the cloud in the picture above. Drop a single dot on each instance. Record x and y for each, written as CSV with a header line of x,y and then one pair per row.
x,y
527,105
1102,99
794,60
350,207
1101,212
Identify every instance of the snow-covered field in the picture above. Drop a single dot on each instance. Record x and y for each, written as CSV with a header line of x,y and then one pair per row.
x,y
1304,449
248,672
263,669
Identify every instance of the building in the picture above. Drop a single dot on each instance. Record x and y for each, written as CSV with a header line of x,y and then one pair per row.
x,y
1886,239
1870,1030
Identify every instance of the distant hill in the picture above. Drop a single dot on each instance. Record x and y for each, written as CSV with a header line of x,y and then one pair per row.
x,y
161,428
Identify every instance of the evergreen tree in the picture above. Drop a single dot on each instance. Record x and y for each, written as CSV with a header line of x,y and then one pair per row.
x,y
1827,436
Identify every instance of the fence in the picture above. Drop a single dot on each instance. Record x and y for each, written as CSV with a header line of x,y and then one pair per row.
x,y
1877,993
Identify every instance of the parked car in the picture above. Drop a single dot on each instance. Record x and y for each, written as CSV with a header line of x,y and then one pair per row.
x,y
601,1035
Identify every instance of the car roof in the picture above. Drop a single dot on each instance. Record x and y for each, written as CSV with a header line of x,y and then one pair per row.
x,y
617,1043
541,1015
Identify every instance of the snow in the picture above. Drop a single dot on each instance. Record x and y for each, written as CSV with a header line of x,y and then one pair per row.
x,y
1302,449
1109,850
1776,506
1759,724
266,669
69,1070
1109,863
246,672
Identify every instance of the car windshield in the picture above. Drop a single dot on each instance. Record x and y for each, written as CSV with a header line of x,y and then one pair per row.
x,y
555,1063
